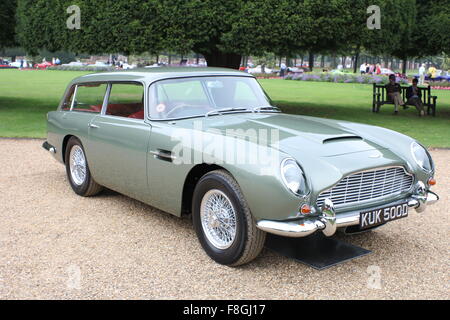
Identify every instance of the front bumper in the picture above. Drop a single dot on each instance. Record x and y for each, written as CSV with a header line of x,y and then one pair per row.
x,y
328,222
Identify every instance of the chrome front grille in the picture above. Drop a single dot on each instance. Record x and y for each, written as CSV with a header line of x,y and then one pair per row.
x,y
368,185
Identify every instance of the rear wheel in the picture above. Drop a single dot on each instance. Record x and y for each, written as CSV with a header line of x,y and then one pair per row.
x,y
77,170
223,222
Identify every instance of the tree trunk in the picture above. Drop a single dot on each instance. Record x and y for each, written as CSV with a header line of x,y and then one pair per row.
x,y
355,62
404,61
322,62
311,61
224,60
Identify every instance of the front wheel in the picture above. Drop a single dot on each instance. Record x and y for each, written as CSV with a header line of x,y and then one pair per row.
x,y
77,169
223,222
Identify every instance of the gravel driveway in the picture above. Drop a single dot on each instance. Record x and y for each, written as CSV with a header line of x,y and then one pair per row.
x,y
56,245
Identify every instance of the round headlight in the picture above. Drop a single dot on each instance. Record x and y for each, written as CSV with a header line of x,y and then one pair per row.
x,y
421,156
293,176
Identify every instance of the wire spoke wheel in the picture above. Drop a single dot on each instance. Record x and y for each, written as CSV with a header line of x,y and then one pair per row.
x,y
77,165
218,218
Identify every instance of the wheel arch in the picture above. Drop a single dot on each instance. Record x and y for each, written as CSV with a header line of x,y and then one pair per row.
x,y
191,181
64,146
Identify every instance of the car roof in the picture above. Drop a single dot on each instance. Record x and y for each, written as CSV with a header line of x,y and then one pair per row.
x,y
148,75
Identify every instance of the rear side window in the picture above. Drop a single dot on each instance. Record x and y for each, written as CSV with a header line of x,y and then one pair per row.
x,y
89,97
126,100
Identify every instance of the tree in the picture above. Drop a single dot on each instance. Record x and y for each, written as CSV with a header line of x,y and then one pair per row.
x,y
431,33
7,23
224,31
325,24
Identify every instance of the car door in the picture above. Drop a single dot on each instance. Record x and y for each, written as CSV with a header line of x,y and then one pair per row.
x,y
119,138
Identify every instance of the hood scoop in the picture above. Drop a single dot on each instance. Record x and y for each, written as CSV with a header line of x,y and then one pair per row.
x,y
341,138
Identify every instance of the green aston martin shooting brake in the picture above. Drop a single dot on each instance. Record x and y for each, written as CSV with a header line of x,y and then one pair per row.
x,y
209,142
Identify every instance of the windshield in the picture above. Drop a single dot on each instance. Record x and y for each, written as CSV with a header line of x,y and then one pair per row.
x,y
200,96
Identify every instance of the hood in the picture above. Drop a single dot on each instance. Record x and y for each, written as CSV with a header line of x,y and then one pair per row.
x,y
319,137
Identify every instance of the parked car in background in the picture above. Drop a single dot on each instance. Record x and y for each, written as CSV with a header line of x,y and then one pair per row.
x,y
74,64
101,64
4,64
126,66
258,69
184,140
43,66
18,64
386,71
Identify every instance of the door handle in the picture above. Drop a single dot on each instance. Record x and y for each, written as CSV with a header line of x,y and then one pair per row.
x,y
163,155
93,126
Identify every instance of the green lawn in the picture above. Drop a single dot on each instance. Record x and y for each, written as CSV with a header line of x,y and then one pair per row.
x,y
26,96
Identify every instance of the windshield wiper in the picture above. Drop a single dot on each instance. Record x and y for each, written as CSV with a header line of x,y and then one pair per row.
x,y
223,110
266,108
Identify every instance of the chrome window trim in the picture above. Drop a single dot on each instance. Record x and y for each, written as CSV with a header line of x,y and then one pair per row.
x,y
73,98
244,75
362,202
108,93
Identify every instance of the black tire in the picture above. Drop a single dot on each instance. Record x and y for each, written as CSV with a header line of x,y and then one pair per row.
x,y
89,187
248,241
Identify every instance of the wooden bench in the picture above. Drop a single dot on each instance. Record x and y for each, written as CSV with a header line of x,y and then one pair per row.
x,y
380,98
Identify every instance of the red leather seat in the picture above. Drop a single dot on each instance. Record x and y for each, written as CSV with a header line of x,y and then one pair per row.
x,y
137,115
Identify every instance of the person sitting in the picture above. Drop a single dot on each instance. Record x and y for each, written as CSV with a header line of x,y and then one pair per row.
x,y
393,90
414,96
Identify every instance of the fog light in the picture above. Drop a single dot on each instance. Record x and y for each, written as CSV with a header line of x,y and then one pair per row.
x,y
305,209
431,182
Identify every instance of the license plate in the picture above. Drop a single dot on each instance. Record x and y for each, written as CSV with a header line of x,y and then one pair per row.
x,y
369,219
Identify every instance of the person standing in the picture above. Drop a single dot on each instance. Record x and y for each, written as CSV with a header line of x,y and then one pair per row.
x,y
378,69
282,69
432,71
363,68
393,90
414,97
422,74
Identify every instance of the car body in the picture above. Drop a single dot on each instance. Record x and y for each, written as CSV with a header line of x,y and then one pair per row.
x,y
175,147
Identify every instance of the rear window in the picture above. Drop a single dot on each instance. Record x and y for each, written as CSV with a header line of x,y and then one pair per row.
x,y
89,97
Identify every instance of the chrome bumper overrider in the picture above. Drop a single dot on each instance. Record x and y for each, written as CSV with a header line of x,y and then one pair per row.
x,y
328,222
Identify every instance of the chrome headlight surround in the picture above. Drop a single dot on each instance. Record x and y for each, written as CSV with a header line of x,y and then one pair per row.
x,y
293,177
422,157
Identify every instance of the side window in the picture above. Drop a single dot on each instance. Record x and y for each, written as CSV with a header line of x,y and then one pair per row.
x,y
126,100
89,97
67,103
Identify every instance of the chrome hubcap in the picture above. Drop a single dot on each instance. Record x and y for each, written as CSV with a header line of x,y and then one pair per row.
x,y
218,219
77,165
